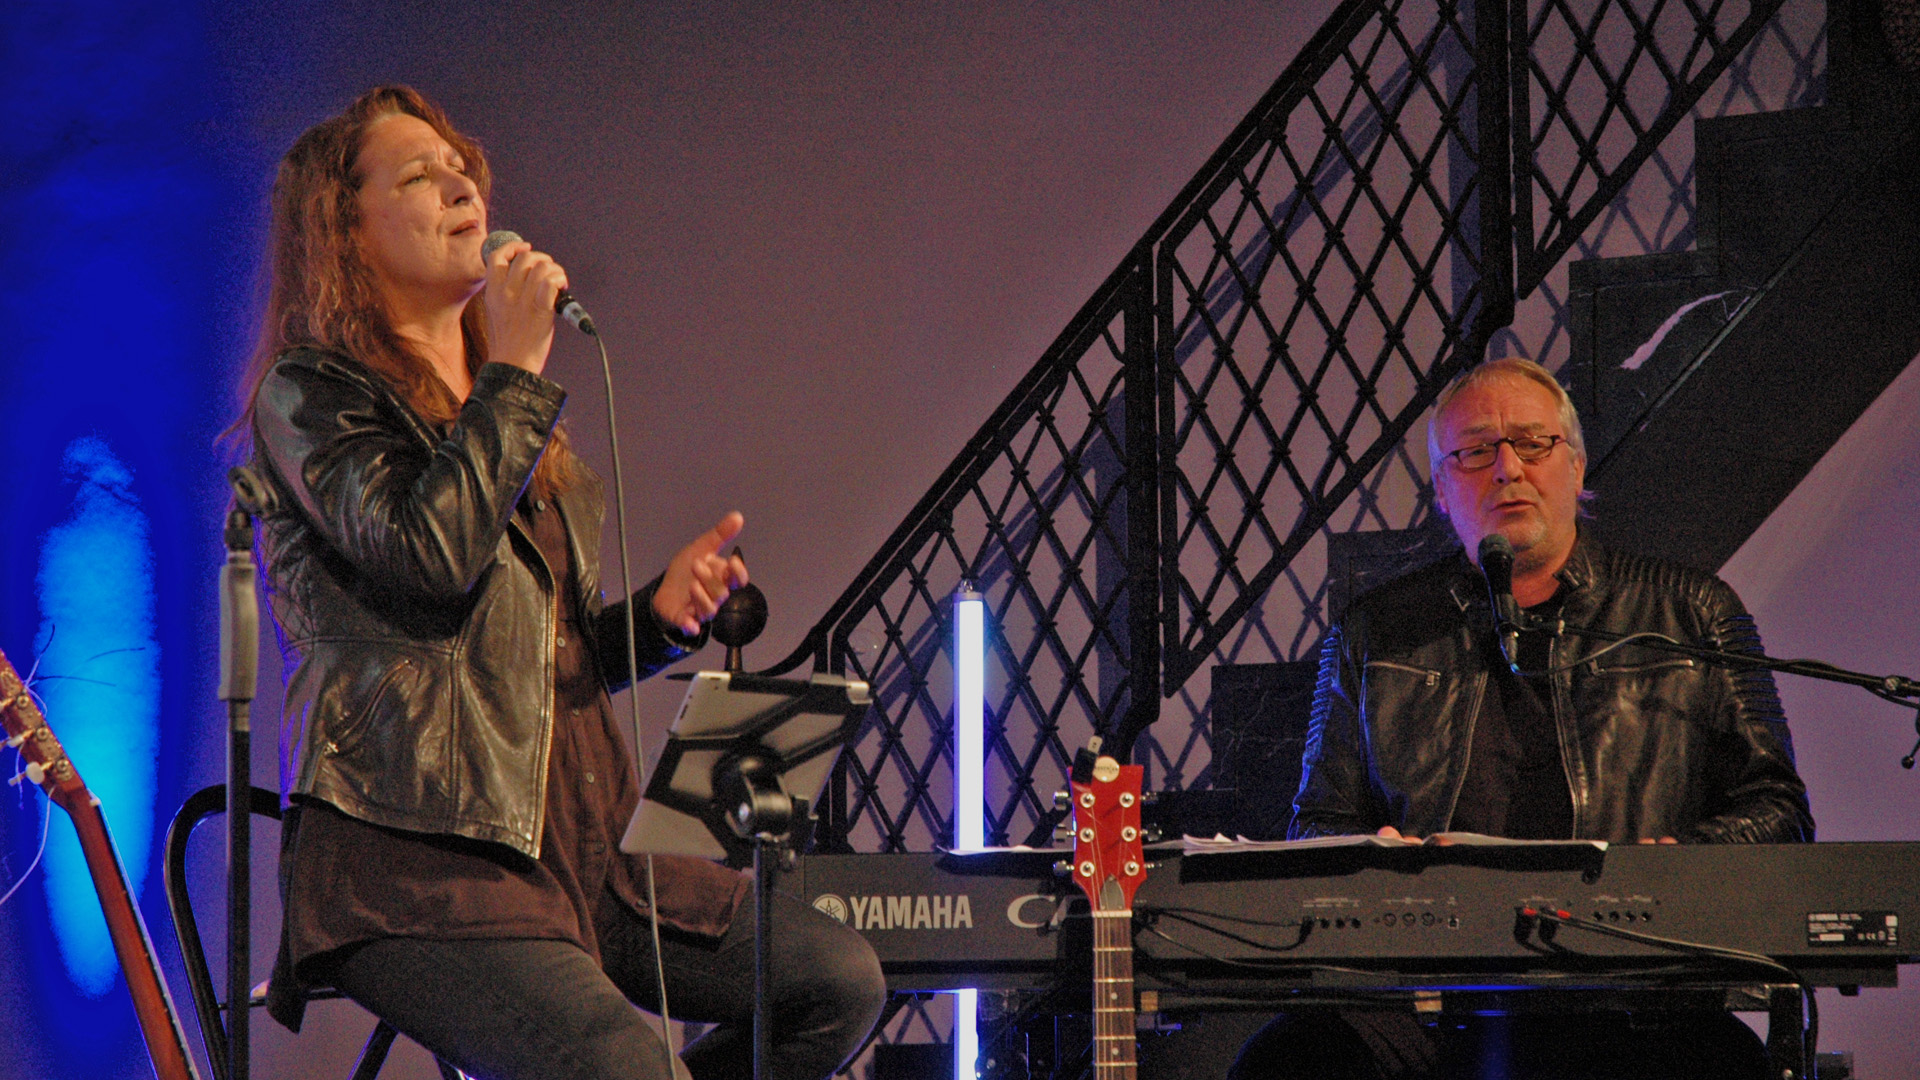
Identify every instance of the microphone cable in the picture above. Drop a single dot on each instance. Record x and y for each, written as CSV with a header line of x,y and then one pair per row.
x,y
1539,923
633,680
567,307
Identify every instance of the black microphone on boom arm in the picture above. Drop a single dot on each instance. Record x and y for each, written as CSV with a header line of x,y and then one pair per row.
x,y
1496,562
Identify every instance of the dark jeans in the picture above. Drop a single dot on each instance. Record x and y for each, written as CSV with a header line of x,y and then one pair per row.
x,y
1353,1044
543,1010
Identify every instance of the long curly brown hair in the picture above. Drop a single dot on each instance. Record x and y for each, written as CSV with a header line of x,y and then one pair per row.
x,y
321,292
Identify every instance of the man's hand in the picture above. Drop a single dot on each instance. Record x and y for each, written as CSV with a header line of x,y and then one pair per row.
x,y
699,578
1390,833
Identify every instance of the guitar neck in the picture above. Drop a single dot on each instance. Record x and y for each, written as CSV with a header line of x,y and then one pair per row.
x,y
152,1005
1108,864
1113,1012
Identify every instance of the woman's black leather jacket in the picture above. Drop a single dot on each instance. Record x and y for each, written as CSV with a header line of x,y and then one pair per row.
x,y
1654,744
416,616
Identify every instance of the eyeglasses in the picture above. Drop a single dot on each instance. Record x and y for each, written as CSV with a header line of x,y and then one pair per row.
x,y
1481,455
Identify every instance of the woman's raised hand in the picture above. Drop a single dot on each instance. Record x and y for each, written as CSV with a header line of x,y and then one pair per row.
x,y
521,287
699,578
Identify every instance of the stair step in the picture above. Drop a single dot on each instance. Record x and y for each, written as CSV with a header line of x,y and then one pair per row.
x,y
1801,303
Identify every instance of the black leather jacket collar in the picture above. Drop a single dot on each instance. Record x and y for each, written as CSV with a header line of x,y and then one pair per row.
x,y
1653,744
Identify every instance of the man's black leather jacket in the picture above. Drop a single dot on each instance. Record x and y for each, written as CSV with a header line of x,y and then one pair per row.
x,y
1654,744
416,615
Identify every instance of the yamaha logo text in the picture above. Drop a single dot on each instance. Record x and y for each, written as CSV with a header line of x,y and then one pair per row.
x,y
922,912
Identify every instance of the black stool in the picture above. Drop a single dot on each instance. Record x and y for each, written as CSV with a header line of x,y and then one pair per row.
x,y
202,805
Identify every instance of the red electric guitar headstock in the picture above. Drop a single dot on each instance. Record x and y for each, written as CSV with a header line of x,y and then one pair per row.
x,y
1109,860
1109,863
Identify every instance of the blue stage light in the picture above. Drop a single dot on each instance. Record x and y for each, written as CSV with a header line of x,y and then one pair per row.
x,y
969,783
99,675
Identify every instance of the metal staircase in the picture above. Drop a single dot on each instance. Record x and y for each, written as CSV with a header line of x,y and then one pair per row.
x,y
1713,380
1179,480
1157,493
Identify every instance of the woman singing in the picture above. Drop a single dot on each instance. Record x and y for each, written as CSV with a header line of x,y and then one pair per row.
x,y
456,785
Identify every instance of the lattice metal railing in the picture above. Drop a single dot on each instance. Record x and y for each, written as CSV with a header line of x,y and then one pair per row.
x,y
1155,494
1312,306
1037,512
1606,84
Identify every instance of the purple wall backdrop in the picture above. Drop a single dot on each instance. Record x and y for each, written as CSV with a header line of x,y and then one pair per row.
x,y
1833,574
823,241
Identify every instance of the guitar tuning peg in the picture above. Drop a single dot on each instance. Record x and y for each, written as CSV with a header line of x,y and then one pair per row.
x,y
1062,800
1063,869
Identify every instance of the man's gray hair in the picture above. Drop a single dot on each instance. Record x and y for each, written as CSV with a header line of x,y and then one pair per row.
x,y
1511,367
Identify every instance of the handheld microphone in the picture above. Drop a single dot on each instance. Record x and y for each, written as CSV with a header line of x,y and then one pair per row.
x,y
564,305
1496,562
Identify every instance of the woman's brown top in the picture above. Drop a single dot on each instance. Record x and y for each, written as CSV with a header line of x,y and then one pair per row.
x,y
347,881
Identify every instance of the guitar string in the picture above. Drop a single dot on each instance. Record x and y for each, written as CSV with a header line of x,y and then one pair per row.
x,y
1113,952
46,817
46,820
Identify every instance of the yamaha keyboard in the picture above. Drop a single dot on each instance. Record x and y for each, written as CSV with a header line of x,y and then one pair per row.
x,y
1837,914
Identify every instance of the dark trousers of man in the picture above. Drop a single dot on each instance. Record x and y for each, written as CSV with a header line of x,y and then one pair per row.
x,y
543,1010
1341,1044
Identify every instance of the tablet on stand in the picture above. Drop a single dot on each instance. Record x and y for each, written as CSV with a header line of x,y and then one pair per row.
x,y
744,763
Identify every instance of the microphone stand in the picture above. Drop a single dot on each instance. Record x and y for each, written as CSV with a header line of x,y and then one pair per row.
x,y
763,812
724,773
1895,688
239,668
